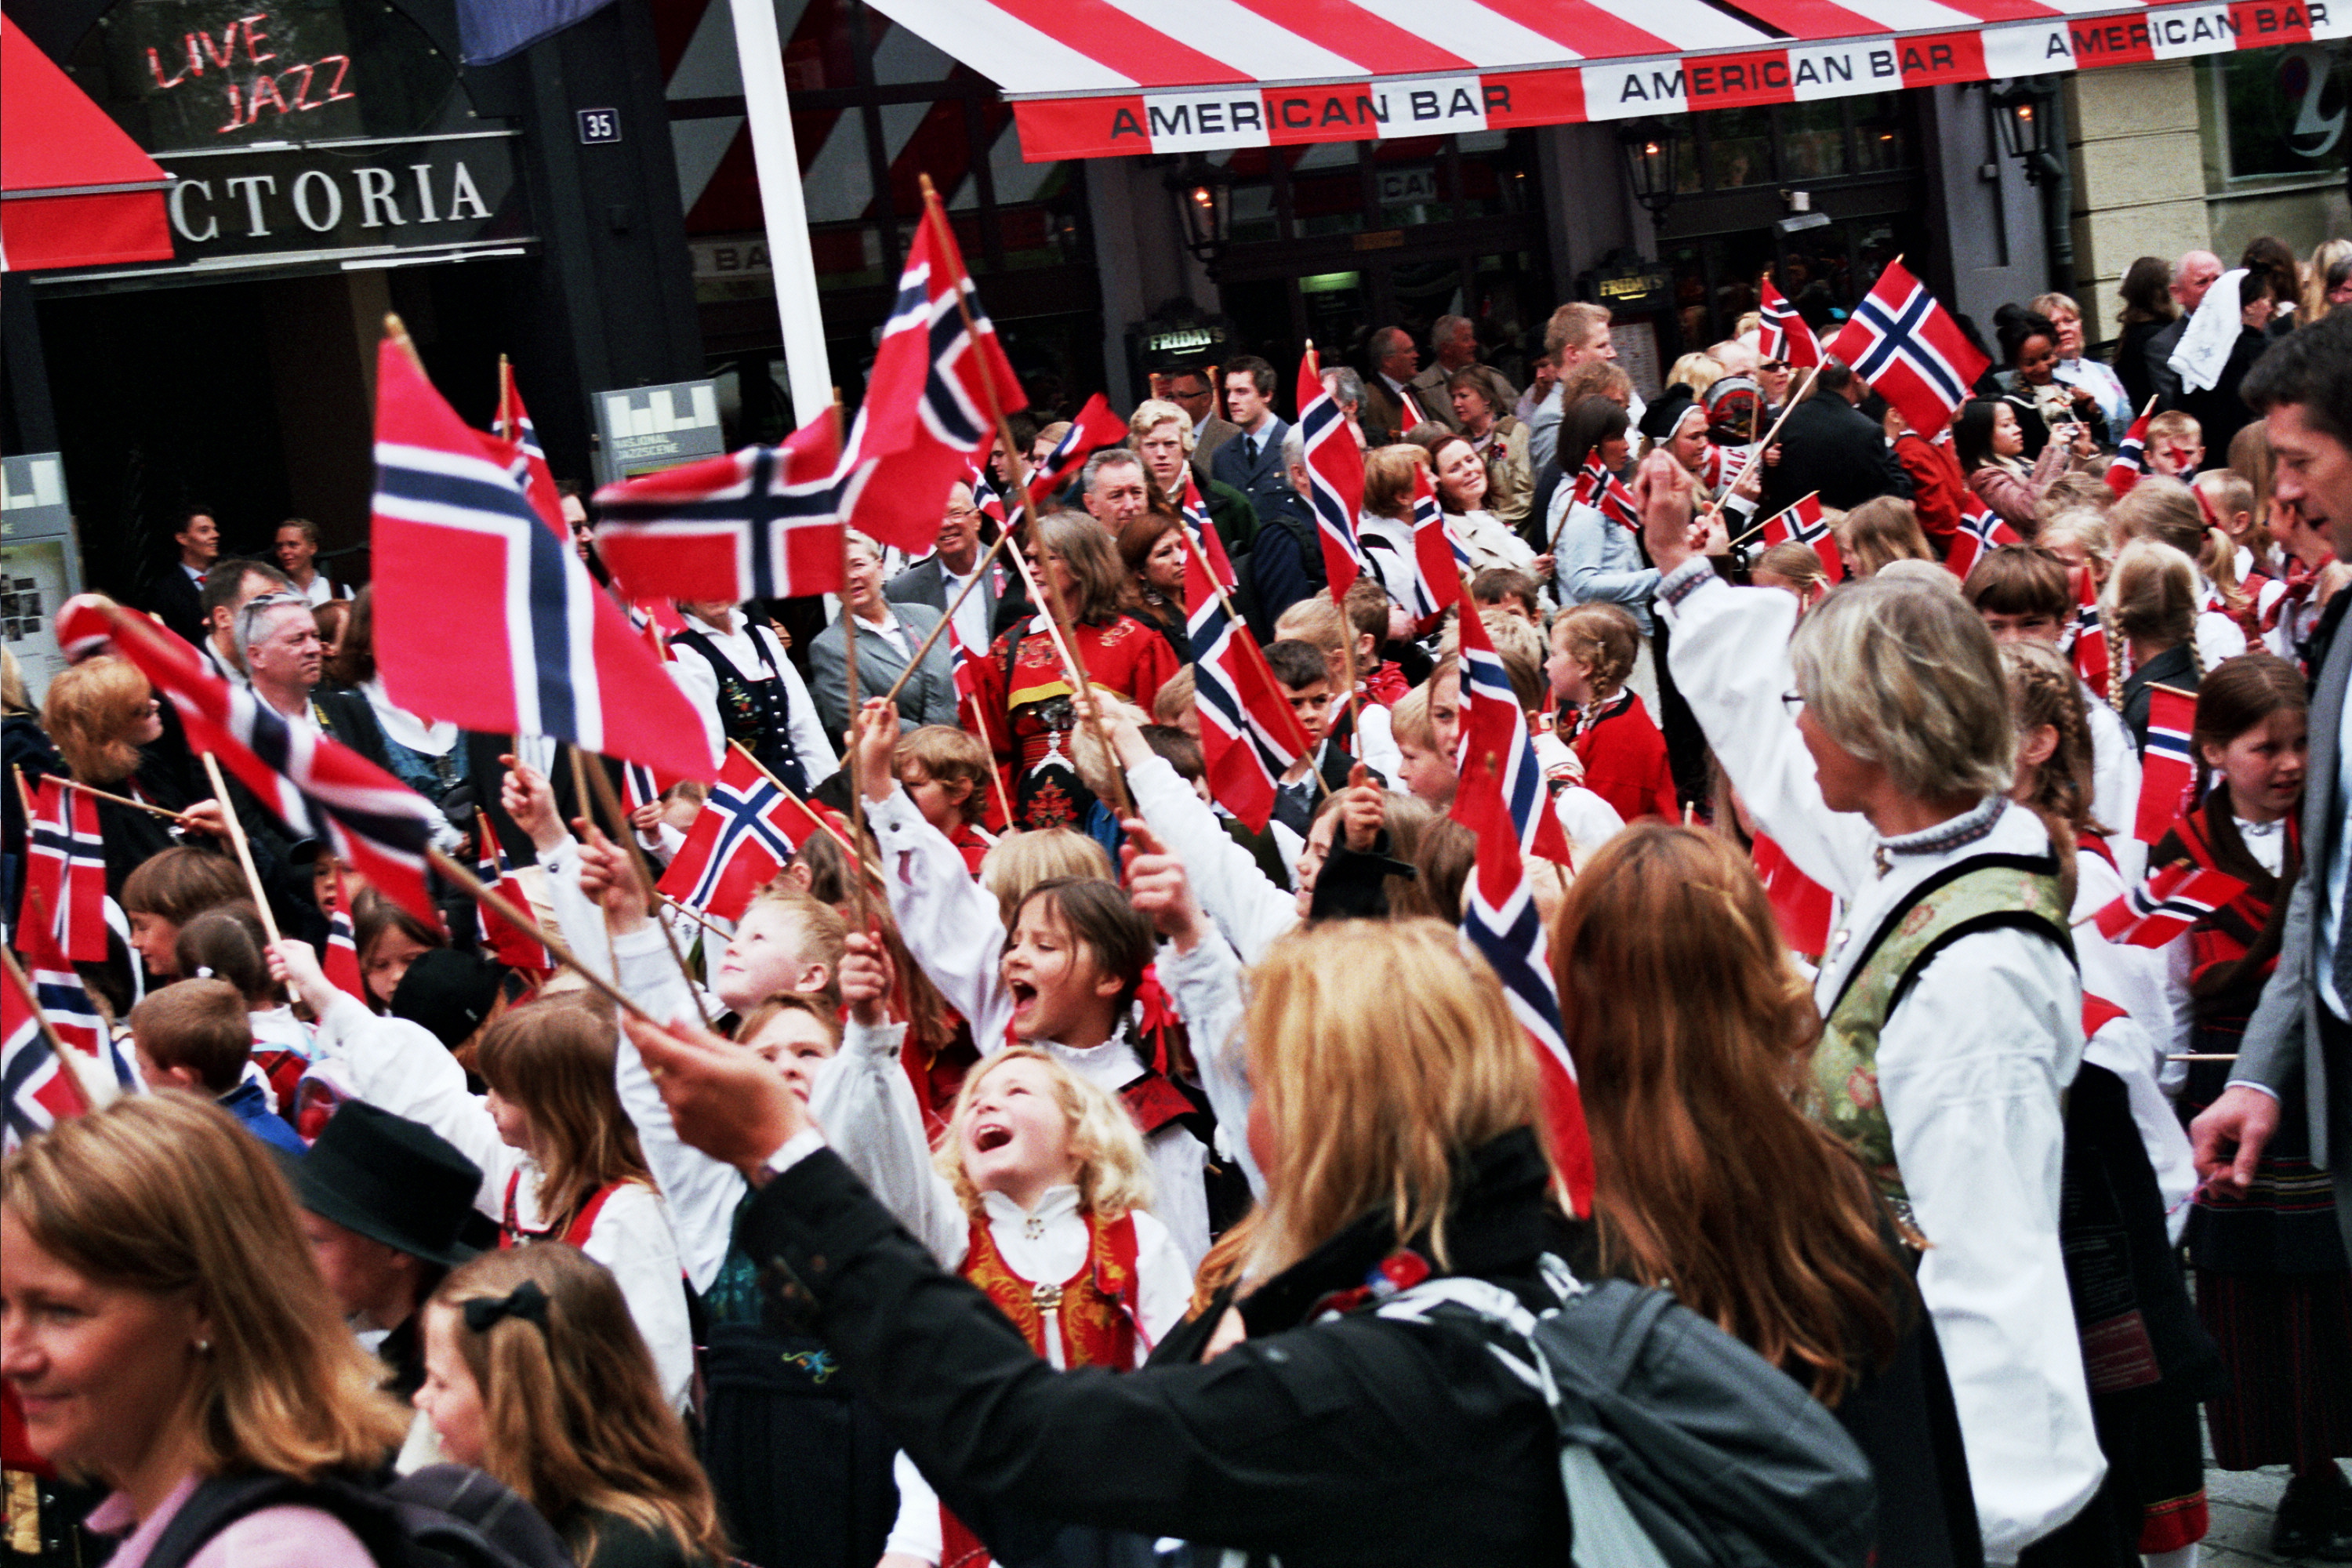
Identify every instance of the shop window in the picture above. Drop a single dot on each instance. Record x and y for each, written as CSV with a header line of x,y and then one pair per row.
x,y
1736,149
1739,149
2282,113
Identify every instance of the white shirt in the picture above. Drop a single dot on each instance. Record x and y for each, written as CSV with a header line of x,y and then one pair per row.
x,y
320,589
1971,1065
751,658
2114,782
971,616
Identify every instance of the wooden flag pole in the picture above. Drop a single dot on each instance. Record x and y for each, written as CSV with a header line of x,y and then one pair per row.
x,y
23,791
244,850
1776,517
931,639
1057,618
609,800
1812,378
554,944
849,670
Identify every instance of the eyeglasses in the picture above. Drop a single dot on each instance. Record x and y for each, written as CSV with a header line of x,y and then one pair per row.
x,y
958,513
1794,701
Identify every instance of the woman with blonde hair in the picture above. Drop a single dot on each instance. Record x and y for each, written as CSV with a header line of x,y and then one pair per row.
x,y
1877,752
1879,531
108,727
1384,527
1392,1144
163,1326
1024,690
535,1373
559,1159
1713,1180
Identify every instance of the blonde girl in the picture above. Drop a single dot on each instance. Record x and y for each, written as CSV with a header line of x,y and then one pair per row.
x,y
534,1373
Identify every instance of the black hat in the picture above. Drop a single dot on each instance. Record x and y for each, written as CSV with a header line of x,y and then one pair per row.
x,y
392,1180
1659,419
448,992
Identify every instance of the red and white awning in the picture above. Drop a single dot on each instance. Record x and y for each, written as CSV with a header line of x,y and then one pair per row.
x,y
75,190
1092,78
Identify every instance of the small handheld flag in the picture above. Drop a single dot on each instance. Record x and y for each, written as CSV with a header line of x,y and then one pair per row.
x,y
1910,351
1335,470
1249,736
2167,904
761,524
1803,524
1783,334
749,829
2167,767
1980,533
2131,455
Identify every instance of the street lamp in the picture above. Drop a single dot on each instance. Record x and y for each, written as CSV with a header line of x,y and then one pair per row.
x,y
1205,192
2026,109
1650,146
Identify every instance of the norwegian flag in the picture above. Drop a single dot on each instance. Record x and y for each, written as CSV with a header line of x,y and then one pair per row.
x,y
340,962
1597,488
985,498
1981,531
1203,530
514,427
38,1088
485,615
1802,907
761,524
318,788
1249,736
1440,559
1910,351
927,399
748,831
1803,524
1495,742
2092,665
1335,470
2168,766
2167,904
1499,919
73,1014
2131,457
509,942
1783,334
1095,427
65,876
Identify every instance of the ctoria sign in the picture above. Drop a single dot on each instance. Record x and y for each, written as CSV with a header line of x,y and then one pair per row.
x,y
403,193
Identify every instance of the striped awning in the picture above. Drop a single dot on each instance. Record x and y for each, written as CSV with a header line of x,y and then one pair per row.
x,y
1092,78
75,190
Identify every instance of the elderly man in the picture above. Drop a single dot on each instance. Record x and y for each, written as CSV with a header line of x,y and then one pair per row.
x,y
173,594
229,587
938,578
1576,333
1454,340
1346,387
1114,489
2198,271
1287,564
283,654
1391,407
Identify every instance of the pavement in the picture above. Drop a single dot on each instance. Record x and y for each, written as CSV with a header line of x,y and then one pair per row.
x,y
2241,1505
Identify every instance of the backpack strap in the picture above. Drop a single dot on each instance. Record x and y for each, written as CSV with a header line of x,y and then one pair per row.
x,y
223,1501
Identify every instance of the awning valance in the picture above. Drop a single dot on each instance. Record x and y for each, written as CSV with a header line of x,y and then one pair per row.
x,y
75,190
1091,78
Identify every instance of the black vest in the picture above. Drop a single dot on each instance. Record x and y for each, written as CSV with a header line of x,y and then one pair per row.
x,y
755,713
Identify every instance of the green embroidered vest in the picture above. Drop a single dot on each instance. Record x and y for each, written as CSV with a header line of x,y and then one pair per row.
x,y
1982,892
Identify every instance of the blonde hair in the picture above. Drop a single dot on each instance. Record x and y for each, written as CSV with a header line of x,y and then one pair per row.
x,y
572,1413
1907,676
1175,697
1017,863
1388,478
2174,424
2314,306
823,931
1698,371
553,1058
2153,592
1799,563
1314,619
2250,457
1409,718
14,698
1372,1109
2044,689
88,712
1097,765
1154,412
1114,1172
1881,531
1605,639
167,1195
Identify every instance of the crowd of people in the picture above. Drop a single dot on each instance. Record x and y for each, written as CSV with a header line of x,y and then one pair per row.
x,y
1050,1165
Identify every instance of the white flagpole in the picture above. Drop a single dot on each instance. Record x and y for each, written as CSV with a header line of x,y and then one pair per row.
x,y
760,54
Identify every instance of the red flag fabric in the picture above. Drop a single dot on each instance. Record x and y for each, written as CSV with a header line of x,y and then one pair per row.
x,y
1802,907
65,872
1784,334
340,962
1803,524
761,524
509,942
2171,900
1249,735
484,615
514,428
1981,530
2168,766
318,788
2090,650
1205,536
747,831
1495,742
927,399
1603,492
1335,470
42,1089
1910,351
1440,560
2131,455
1095,427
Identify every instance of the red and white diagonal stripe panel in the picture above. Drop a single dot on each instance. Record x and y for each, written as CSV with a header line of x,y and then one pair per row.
x,y
1091,78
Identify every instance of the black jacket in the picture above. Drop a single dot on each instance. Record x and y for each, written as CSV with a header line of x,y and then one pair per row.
x,y
1359,1441
1829,446
176,601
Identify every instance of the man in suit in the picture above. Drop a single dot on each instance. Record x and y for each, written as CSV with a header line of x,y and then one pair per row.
x,y
939,577
1251,461
173,594
889,637
1190,391
1391,406
2196,272
2301,1034
1455,342
1829,446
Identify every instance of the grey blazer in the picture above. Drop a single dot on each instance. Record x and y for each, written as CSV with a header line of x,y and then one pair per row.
x,y
929,696
926,583
2282,1037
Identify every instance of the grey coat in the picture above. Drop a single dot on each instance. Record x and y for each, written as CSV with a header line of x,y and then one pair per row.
x,y
929,696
